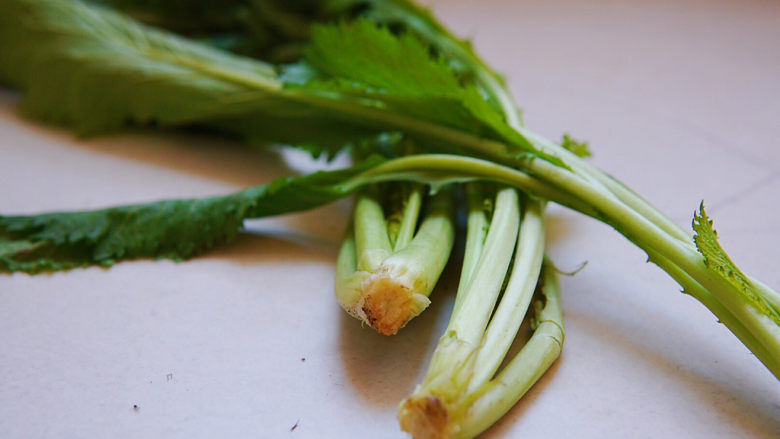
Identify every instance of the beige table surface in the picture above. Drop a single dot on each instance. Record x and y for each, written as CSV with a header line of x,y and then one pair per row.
x,y
680,99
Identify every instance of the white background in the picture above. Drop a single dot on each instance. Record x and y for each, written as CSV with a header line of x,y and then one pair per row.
x,y
681,100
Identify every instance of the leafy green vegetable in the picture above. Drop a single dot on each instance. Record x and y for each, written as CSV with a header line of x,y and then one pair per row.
x,y
399,70
95,70
716,259
179,229
105,71
480,331
580,149
390,260
175,229
279,31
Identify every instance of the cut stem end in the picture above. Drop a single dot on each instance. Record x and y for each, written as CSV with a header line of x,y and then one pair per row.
x,y
424,418
387,305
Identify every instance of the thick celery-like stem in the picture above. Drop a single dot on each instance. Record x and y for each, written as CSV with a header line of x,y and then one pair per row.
x,y
609,184
485,285
453,360
679,259
694,288
475,344
770,295
496,397
479,209
383,283
756,327
522,282
653,238
407,224
347,288
372,243
427,416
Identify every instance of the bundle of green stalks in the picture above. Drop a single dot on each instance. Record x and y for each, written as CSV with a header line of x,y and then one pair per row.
x,y
431,130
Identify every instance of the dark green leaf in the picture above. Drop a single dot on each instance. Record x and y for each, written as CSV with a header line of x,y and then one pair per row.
x,y
174,229
367,60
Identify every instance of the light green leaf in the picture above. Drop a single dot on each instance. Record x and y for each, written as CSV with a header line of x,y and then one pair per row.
x,y
578,148
716,259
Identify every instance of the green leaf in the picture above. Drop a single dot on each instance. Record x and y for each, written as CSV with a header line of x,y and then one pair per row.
x,y
580,149
96,71
716,259
103,70
174,229
401,74
277,31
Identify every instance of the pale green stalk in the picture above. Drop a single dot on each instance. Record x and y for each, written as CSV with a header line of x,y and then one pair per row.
x,y
579,194
692,287
771,296
488,277
384,276
411,212
455,406
619,190
522,282
650,236
477,224
501,393
372,244
453,361
480,333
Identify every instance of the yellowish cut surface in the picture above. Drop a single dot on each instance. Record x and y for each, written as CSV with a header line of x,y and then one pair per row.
x,y
389,305
424,418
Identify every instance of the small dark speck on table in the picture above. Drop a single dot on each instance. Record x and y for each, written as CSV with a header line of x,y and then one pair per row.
x,y
295,426
303,359
135,407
